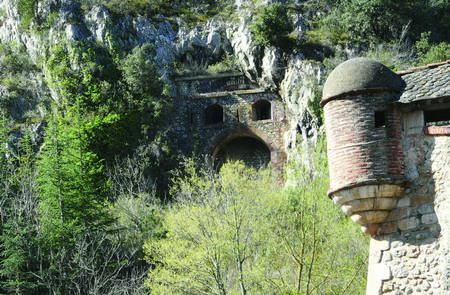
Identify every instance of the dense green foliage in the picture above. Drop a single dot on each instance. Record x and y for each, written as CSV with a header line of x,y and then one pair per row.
x,y
228,64
272,25
372,20
385,30
78,205
28,9
430,53
60,228
237,233
17,78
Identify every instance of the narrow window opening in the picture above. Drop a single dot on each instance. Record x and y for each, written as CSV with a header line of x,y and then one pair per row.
x,y
437,117
214,115
262,110
191,119
380,119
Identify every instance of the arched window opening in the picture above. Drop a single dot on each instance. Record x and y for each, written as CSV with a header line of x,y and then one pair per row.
x,y
262,110
214,115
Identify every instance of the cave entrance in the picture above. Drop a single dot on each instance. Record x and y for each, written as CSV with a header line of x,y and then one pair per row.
x,y
252,151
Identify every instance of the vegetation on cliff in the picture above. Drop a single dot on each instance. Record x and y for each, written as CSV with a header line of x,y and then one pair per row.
x,y
399,34
84,155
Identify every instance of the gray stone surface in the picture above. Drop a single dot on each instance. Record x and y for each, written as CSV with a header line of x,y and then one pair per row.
x,y
360,74
426,83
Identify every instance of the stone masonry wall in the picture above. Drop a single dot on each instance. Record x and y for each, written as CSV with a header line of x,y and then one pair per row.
x,y
410,254
192,133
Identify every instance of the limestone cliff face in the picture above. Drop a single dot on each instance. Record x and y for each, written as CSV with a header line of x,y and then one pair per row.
x,y
287,73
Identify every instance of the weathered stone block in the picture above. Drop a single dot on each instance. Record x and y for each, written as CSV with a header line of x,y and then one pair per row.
x,y
383,272
420,199
425,209
399,252
408,223
429,218
402,273
397,214
404,202
388,228
413,252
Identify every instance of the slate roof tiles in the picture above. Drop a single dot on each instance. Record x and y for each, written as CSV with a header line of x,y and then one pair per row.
x,y
426,82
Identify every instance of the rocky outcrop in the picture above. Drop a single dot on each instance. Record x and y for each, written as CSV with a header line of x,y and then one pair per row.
x,y
293,77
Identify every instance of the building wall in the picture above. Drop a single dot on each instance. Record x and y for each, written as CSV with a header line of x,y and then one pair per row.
x,y
410,254
236,96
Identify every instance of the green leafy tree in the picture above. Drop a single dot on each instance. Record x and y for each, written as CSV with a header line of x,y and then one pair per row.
x,y
141,77
272,25
121,103
212,233
27,9
431,53
20,251
374,18
317,237
73,188
237,233
71,173
375,21
73,197
100,114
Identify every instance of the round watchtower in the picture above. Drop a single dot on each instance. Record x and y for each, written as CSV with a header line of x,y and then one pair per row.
x,y
363,138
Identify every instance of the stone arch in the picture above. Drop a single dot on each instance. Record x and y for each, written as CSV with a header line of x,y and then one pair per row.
x,y
247,147
262,110
214,114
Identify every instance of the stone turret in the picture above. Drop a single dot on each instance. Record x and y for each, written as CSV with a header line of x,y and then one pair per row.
x,y
364,140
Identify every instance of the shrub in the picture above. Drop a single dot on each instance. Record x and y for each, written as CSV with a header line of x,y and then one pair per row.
x,y
229,64
431,53
237,232
272,25
27,9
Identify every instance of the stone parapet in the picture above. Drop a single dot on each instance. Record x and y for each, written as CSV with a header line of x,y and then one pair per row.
x,y
194,86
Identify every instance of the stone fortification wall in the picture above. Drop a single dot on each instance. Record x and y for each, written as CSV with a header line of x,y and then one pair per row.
x,y
405,138
410,254
192,86
193,132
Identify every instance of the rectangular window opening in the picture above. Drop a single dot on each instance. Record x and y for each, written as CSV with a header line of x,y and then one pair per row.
x,y
191,119
380,119
437,117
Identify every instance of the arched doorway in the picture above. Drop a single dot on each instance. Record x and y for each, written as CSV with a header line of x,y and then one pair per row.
x,y
251,150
